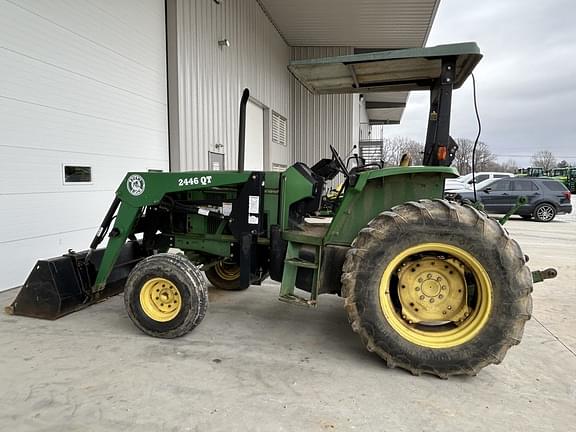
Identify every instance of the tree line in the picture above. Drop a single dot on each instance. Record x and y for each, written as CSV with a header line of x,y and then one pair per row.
x,y
393,148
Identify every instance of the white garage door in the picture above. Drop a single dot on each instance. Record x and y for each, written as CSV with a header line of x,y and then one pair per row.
x,y
82,84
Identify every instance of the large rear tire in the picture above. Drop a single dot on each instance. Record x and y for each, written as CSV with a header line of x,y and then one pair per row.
x,y
436,287
165,296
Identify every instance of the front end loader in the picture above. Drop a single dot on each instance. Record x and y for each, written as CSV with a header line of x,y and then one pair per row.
x,y
431,286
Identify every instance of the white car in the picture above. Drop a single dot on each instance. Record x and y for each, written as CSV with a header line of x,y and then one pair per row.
x,y
466,181
468,188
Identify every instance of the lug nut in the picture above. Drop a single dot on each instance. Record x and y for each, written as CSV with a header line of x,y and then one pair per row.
x,y
440,296
431,300
417,288
449,307
443,287
429,276
421,297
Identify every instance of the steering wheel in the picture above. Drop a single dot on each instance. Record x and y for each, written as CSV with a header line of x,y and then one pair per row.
x,y
339,161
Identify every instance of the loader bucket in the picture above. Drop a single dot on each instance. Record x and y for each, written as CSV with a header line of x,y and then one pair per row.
x,y
61,285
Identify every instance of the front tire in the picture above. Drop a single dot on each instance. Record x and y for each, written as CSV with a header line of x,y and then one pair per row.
x,y
165,296
435,287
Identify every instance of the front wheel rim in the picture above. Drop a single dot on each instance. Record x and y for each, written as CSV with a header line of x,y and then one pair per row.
x,y
160,299
435,283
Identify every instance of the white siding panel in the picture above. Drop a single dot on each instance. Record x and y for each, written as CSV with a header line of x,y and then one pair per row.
x,y
27,81
211,79
45,128
82,83
22,255
32,171
73,210
51,42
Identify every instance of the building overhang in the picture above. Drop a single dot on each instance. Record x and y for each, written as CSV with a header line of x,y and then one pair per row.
x,y
358,24
353,23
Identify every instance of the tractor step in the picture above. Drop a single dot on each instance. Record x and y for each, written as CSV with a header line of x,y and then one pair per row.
x,y
297,300
299,262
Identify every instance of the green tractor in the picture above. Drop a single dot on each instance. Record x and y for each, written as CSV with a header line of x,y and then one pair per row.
x,y
565,175
429,285
531,172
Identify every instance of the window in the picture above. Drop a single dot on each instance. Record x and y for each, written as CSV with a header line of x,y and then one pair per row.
x,y
501,176
555,186
524,186
500,185
278,129
479,178
77,174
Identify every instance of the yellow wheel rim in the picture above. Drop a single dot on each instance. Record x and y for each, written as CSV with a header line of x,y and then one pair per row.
x,y
160,299
424,295
227,272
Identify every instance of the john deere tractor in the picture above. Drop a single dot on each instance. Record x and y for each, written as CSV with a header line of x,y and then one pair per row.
x,y
429,285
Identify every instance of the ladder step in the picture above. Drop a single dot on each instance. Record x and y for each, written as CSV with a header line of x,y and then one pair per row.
x,y
301,263
297,300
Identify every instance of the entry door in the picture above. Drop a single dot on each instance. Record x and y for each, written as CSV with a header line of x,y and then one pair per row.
x,y
254,157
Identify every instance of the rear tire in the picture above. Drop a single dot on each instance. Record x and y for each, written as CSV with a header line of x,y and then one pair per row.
x,y
544,212
225,276
165,296
437,235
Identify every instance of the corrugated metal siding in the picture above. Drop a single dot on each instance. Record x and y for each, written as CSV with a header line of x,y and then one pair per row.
x,y
320,120
211,79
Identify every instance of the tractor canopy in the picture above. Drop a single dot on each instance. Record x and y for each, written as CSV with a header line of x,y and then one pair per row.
x,y
386,71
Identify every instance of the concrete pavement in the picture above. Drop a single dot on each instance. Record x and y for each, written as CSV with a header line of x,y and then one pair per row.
x,y
256,364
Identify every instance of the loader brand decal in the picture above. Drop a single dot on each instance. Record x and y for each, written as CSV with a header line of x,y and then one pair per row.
x,y
204,180
135,184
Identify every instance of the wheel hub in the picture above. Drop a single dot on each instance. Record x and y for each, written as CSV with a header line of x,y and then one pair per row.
x,y
160,299
432,289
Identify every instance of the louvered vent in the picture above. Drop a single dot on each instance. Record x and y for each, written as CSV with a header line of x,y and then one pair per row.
x,y
278,129
371,151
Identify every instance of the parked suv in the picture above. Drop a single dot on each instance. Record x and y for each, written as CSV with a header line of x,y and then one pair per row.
x,y
546,197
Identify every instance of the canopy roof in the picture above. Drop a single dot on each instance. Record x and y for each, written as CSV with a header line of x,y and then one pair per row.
x,y
385,71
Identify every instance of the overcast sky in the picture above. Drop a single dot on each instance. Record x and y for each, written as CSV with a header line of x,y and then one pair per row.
x,y
526,82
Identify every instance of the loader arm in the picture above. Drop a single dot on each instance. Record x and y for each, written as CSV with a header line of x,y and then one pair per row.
x,y
139,190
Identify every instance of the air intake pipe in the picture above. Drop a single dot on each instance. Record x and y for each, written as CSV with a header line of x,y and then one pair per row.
x,y
242,130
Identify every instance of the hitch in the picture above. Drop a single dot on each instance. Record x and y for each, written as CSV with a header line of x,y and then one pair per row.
x,y
540,275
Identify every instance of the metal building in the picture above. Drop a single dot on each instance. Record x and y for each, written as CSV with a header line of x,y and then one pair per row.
x,y
92,89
